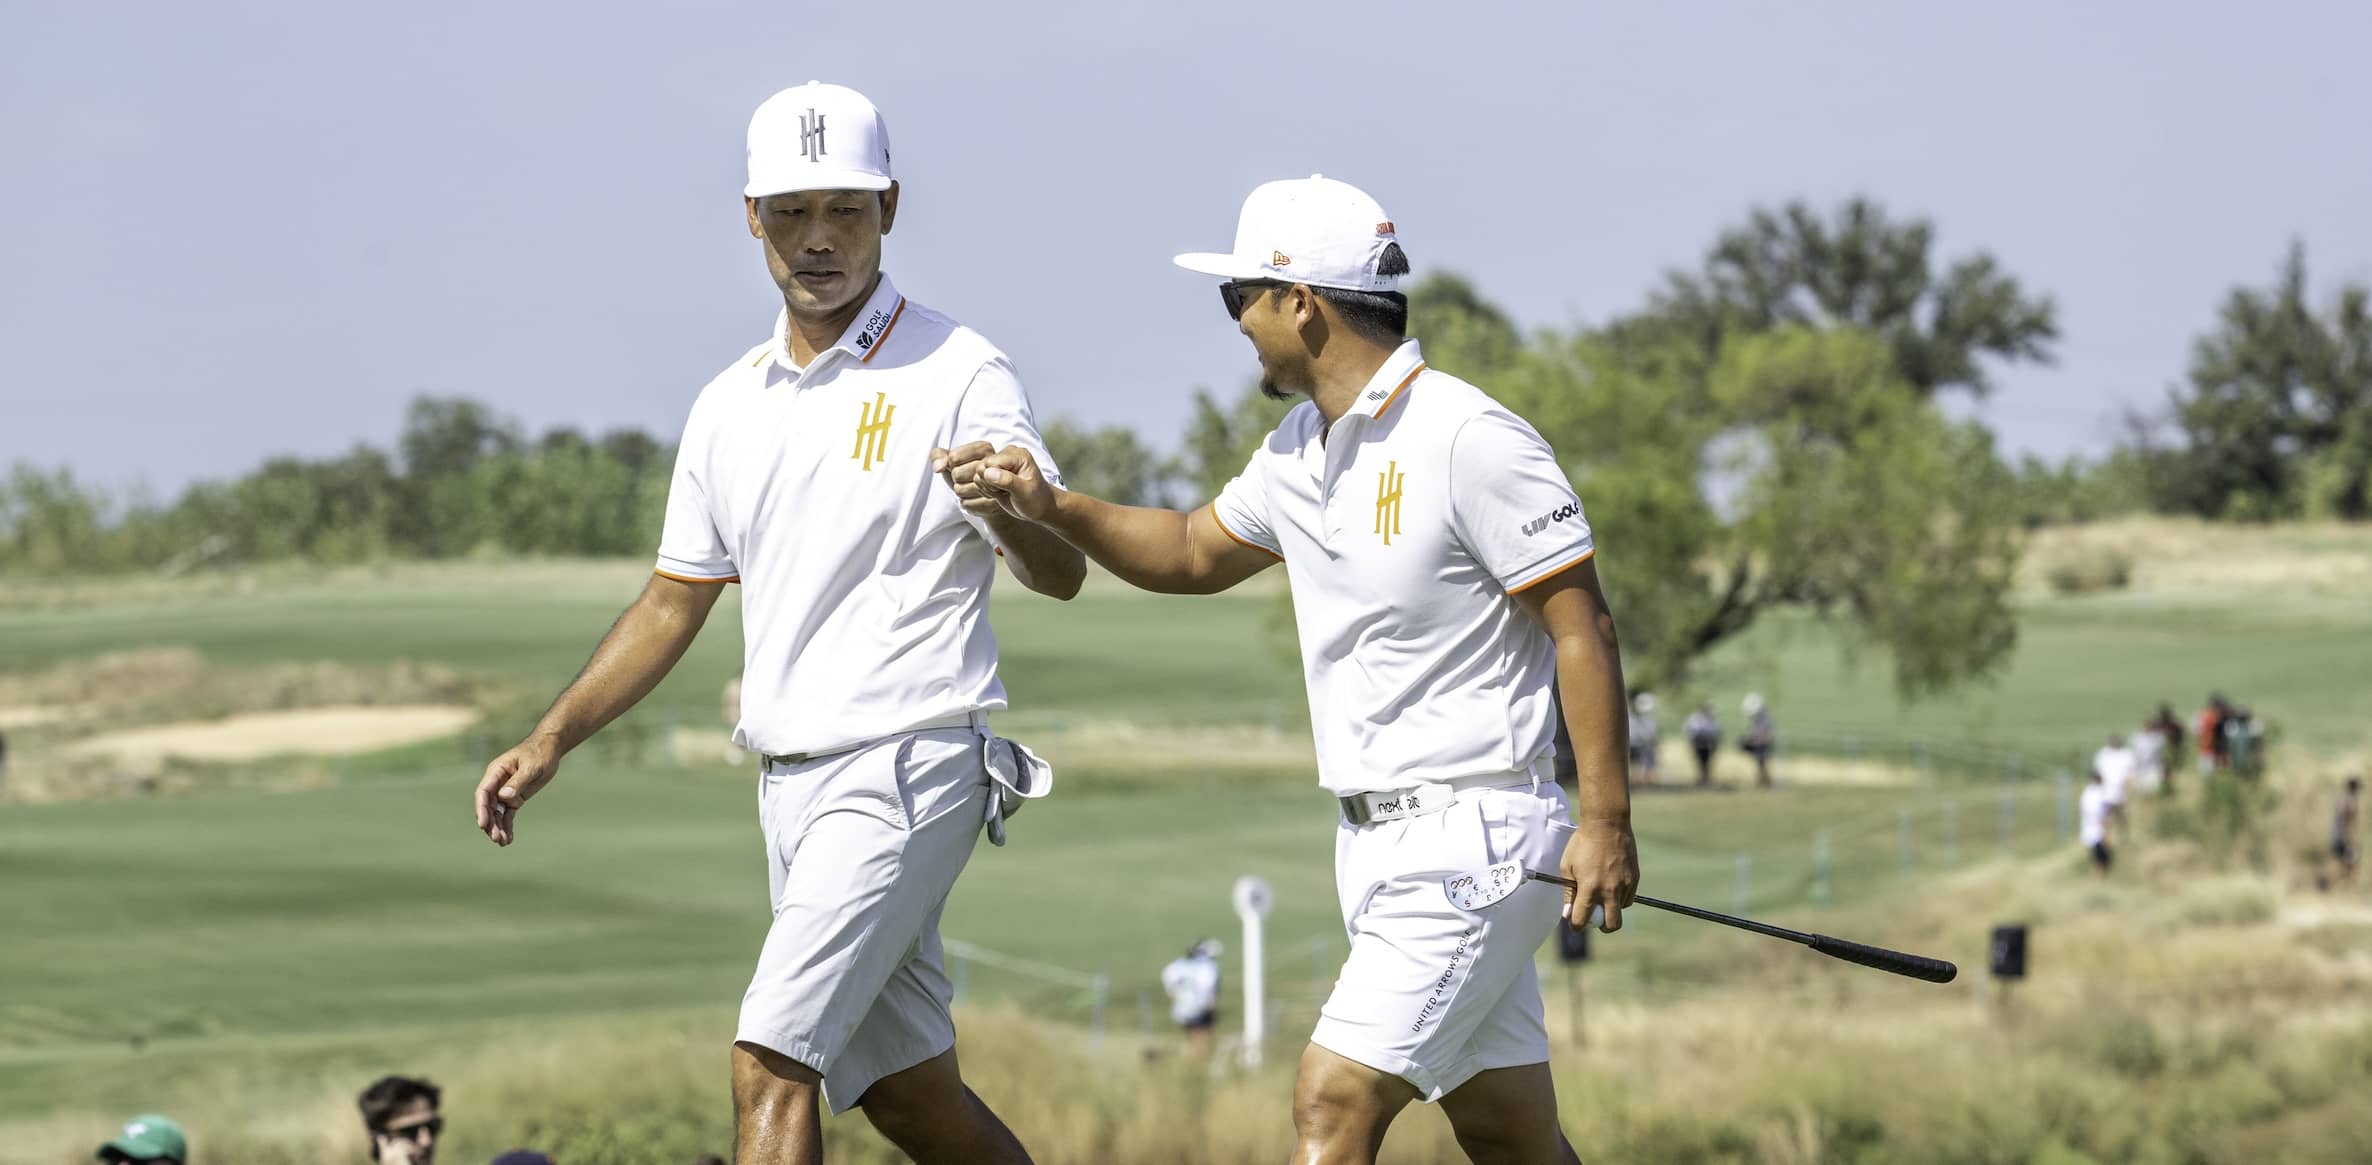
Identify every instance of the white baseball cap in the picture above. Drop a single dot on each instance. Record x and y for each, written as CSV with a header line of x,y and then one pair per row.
x,y
1311,230
817,137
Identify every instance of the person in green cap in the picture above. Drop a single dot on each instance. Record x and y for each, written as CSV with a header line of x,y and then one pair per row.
x,y
148,1138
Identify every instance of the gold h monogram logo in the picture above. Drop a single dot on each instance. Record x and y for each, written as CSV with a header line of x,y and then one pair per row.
x,y
1387,501
873,431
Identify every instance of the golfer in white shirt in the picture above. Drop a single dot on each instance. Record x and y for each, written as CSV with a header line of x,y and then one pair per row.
x,y
807,473
1441,576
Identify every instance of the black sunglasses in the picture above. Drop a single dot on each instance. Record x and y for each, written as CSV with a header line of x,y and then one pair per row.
x,y
1235,293
434,1126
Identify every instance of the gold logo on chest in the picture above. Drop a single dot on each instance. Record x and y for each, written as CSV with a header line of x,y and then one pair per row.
x,y
873,431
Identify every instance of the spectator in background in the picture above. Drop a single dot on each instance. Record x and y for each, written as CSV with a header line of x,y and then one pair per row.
x,y
2211,734
399,1113
1646,737
2114,764
1192,981
1704,736
148,1138
2092,818
2343,828
2149,758
2169,727
2244,738
1760,739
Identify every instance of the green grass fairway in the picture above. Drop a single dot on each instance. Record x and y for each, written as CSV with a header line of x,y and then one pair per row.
x,y
2084,667
1113,652
318,931
245,920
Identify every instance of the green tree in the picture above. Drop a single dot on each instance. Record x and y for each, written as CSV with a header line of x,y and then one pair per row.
x,y
445,436
1110,463
49,523
1220,439
2080,490
1797,469
1856,268
2276,417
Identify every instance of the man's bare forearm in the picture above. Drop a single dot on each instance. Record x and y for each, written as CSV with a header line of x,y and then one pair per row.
x,y
640,649
1038,557
1148,548
1590,676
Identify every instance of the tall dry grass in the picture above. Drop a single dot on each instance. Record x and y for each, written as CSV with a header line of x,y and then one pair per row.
x,y
2195,557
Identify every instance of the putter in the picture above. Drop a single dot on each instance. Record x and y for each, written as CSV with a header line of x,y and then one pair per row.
x,y
1475,891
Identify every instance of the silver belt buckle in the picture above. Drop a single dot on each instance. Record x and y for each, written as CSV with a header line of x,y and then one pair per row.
x,y
1369,808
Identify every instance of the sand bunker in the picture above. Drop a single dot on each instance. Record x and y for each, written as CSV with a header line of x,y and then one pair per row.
x,y
338,731
32,715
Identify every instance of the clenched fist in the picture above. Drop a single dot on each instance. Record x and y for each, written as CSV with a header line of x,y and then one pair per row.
x,y
989,481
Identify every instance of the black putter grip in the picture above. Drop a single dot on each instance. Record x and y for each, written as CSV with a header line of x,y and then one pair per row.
x,y
1915,966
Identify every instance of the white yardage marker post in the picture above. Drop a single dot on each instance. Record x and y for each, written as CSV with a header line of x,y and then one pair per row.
x,y
1252,900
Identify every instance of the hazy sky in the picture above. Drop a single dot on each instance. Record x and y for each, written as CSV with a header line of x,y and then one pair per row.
x,y
232,230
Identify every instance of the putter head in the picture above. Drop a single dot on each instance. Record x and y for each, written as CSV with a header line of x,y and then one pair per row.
x,y
1482,888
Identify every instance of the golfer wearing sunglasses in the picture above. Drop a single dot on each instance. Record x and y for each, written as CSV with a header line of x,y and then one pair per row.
x,y
1442,577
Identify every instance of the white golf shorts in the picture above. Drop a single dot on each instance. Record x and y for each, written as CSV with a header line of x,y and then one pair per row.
x,y
1431,993
861,851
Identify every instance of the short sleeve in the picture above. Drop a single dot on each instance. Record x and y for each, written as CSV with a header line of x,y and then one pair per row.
x,y
1511,505
691,548
995,409
1241,509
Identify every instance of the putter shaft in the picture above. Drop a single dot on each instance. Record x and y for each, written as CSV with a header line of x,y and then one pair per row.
x,y
1894,962
1762,928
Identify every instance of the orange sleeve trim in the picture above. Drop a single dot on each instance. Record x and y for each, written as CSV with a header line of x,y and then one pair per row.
x,y
1418,371
730,578
1585,556
886,329
1220,522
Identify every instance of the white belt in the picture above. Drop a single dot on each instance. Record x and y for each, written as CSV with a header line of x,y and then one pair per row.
x,y
1432,797
977,721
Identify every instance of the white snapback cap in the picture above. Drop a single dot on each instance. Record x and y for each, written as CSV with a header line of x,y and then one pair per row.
x,y
1311,230
817,137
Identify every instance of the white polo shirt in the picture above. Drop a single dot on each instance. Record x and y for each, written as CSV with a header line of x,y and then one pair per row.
x,y
864,607
2116,771
2092,821
1404,532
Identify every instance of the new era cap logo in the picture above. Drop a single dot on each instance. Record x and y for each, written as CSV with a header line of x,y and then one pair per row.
x,y
1385,228
1279,259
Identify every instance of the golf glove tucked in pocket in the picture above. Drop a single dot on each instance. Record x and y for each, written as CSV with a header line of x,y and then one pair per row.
x,y
1015,775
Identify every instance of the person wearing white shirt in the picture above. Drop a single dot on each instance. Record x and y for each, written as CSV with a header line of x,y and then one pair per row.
x,y
807,475
1192,983
2149,759
1704,739
2092,823
1646,736
1441,572
2115,764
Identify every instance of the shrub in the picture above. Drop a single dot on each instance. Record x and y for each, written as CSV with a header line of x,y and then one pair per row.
x,y
2083,570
